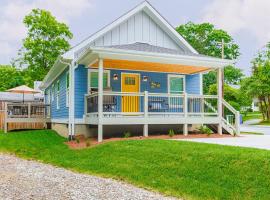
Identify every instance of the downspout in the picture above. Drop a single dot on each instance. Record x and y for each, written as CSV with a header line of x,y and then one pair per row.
x,y
71,121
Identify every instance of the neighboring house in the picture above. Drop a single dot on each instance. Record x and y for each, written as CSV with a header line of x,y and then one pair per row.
x,y
255,105
136,72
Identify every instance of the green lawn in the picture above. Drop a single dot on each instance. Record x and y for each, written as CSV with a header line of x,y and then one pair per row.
x,y
252,115
182,169
264,123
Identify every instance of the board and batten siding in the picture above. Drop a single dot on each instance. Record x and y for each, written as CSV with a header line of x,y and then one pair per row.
x,y
138,28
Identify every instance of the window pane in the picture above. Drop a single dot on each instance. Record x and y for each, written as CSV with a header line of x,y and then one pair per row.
x,y
67,80
176,85
94,79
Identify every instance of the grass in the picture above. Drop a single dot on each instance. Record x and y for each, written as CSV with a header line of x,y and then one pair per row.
x,y
264,123
252,133
182,169
252,115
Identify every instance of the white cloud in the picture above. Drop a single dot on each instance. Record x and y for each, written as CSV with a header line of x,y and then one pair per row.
x,y
12,29
236,15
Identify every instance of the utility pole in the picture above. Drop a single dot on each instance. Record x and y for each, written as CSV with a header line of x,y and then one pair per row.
x,y
222,57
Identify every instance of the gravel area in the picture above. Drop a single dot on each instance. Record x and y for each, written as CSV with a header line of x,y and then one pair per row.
x,y
22,179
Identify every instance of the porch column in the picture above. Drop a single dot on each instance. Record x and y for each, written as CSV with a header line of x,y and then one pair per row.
x,y
185,129
220,97
185,126
145,126
100,100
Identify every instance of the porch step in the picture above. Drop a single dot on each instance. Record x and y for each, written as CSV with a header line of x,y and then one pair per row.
x,y
214,128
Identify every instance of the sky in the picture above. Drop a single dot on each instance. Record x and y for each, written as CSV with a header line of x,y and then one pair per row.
x,y
246,20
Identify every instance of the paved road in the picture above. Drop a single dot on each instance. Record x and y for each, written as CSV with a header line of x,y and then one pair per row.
x,y
249,127
254,141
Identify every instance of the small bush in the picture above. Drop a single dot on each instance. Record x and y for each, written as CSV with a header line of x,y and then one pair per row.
x,y
88,143
205,130
171,133
78,140
127,134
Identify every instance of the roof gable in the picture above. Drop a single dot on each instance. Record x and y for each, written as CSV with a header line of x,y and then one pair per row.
x,y
141,24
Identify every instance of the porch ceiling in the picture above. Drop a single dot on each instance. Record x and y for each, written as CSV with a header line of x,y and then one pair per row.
x,y
150,66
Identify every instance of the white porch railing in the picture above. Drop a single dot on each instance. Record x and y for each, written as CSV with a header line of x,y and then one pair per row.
x,y
230,118
152,104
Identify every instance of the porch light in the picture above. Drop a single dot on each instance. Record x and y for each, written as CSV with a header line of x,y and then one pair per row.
x,y
115,77
145,78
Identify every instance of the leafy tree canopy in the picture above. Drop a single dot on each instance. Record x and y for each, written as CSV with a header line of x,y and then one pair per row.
x,y
46,40
258,85
10,77
206,39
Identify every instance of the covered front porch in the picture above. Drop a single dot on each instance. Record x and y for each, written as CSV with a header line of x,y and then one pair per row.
x,y
129,104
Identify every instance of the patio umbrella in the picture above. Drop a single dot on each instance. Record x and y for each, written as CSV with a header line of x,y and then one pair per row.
x,y
23,89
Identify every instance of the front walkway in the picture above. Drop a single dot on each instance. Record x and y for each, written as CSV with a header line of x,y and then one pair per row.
x,y
249,126
22,179
253,141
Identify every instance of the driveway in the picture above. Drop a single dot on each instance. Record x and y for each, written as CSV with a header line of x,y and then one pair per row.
x,y
249,127
22,179
254,141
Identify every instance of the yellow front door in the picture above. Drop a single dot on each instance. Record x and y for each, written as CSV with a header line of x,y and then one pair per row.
x,y
130,83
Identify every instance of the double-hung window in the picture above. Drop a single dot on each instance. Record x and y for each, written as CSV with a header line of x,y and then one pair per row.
x,y
58,94
67,89
93,79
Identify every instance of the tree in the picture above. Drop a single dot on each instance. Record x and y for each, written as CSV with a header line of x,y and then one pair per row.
x,y
10,77
206,40
46,40
258,85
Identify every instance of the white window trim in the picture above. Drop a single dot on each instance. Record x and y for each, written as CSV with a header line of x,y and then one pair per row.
x,y
177,76
57,95
53,92
67,90
96,70
48,96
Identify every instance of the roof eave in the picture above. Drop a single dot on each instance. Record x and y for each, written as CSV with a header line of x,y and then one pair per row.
x,y
109,53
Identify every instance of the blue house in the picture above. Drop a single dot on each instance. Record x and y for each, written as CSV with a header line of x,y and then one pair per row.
x,y
138,74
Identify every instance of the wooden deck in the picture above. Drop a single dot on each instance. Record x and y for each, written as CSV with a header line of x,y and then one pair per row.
x,y
19,116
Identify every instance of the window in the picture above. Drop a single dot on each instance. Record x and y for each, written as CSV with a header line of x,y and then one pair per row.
x,y
130,80
48,96
93,79
57,94
176,84
53,92
67,89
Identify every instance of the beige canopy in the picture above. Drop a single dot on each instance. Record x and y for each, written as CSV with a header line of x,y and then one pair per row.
x,y
23,89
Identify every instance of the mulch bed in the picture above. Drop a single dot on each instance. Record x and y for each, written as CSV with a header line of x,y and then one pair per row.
x,y
81,142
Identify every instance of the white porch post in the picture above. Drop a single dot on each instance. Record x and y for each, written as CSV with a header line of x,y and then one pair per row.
x,y
71,121
185,126
100,100
145,126
219,92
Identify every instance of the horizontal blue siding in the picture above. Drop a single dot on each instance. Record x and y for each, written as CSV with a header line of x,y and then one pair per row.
x,y
193,84
80,90
62,112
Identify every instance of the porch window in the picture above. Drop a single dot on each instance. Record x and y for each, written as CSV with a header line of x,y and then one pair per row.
x,y
176,84
57,94
67,89
93,79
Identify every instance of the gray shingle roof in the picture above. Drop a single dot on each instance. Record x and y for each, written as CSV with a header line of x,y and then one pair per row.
x,y
145,47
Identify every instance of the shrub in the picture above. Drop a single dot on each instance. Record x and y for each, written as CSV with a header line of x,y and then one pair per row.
x,y
88,143
127,134
78,140
205,130
171,133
